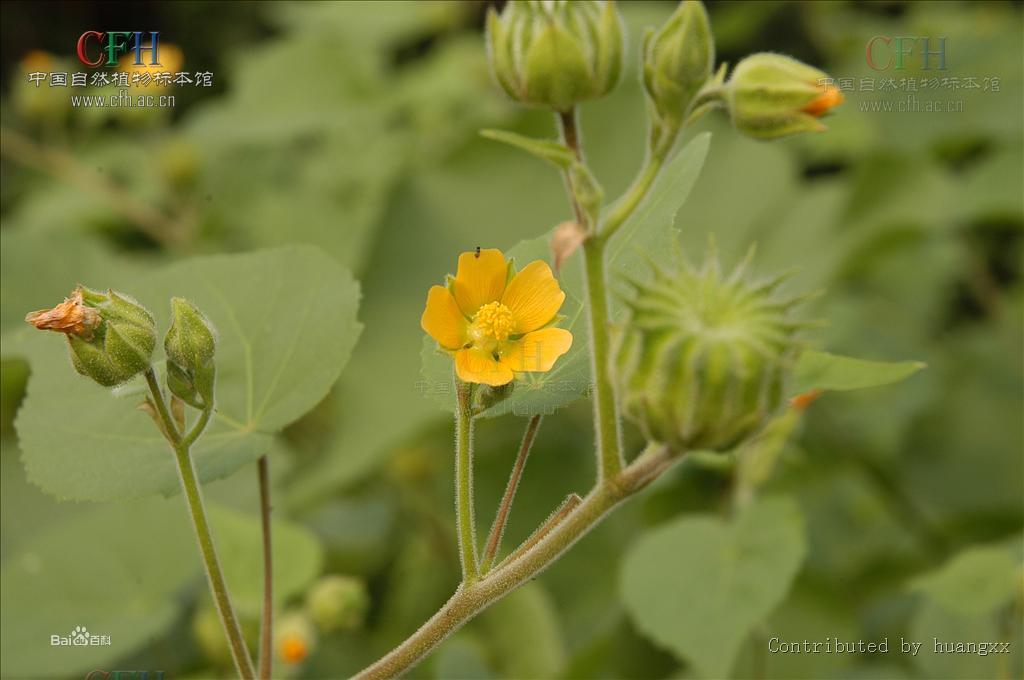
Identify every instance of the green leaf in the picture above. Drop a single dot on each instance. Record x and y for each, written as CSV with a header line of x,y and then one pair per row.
x,y
556,153
463,657
115,570
698,585
975,581
824,371
526,619
934,624
647,234
287,324
298,557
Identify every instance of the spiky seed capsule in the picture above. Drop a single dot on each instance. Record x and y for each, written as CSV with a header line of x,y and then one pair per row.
x,y
701,361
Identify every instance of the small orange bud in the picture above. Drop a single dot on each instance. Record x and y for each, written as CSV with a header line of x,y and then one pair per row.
x,y
294,649
36,60
801,401
830,97
71,317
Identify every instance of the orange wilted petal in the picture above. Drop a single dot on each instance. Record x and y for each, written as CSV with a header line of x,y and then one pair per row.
x,y
71,317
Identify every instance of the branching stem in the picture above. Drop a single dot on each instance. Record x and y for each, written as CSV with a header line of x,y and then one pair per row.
x,y
197,511
501,518
606,415
616,480
473,597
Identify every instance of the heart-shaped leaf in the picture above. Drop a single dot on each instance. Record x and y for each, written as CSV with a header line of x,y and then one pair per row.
x,y
287,324
119,570
698,585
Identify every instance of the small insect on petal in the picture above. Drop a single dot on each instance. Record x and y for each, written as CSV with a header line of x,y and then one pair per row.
x,y
71,317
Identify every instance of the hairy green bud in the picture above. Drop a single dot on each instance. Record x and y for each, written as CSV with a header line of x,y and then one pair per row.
x,y
771,95
337,602
190,345
555,53
110,335
678,60
701,361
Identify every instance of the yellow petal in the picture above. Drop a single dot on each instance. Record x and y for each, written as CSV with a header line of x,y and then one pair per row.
x,y
443,320
533,296
537,351
480,279
476,366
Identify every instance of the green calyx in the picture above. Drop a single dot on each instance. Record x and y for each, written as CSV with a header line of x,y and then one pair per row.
x,y
555,53
702,359
121,344
772,95
190,344
677,61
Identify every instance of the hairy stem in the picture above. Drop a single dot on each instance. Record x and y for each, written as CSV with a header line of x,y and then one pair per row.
x,y
169,426
616,481
606,415
197,511
661,144
606,412
267,615
501,518
198,429
471,598
561,512
464,479
625,206
214,575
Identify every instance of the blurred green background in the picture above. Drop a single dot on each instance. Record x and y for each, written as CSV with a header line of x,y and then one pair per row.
x,y
353,126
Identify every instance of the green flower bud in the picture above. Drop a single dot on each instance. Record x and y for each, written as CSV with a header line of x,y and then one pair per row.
x,y
190,344
700,362
338,602
771,95
110,335
555,53
678,60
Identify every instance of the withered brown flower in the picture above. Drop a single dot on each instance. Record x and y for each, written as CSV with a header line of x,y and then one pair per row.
x,y
70,317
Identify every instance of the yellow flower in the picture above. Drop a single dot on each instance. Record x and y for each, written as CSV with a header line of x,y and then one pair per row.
x,y
36,61
171,60
497,327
